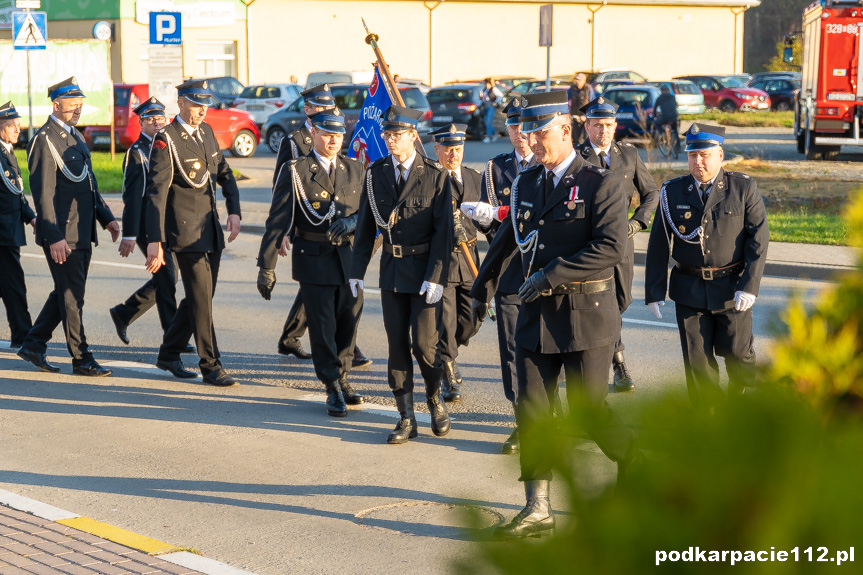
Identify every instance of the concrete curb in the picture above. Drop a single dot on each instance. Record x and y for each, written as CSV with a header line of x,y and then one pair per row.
x,y
142,543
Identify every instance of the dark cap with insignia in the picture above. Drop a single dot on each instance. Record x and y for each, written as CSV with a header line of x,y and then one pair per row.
x,y
704,136
513,111
599,109
150,108
8,112
332,120
451,135
68,88
319,96
540,110
398,118
196,91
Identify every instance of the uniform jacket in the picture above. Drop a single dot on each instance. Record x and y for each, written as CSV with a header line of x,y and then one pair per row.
x,y
469,190
574,244
178,213
315,262
15,211
735,230
64,209
624,160
504,169
423,216
303,145
134,189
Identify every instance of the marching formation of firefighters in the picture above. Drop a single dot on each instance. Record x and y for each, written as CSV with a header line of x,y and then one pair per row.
x,y
558,272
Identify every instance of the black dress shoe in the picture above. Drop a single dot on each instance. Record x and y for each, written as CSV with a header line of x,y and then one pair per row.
x,y
622,380
220,378
119,326
295,349
189,349
511,445
440,422
176,368
359,359
37,359
90,368
15,345
336,406
351,396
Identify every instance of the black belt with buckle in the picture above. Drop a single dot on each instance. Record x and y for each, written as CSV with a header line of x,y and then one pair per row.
x,y
712,273
595,286
468,243
399,251
322,238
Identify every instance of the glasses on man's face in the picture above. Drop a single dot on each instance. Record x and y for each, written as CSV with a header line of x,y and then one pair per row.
x,y
388,135
154,120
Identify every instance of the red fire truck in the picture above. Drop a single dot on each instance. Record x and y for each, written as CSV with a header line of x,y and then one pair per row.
x,y
827,114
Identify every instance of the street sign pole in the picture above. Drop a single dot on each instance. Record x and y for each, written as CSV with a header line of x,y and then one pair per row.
x,y
29,101
33,27
545,25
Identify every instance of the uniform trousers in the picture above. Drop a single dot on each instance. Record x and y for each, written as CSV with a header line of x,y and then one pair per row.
x,y
296,323
411,326
160,290
705,334
199,272
456,327
586,375
506,307
13,290
64,305
623,274
332,327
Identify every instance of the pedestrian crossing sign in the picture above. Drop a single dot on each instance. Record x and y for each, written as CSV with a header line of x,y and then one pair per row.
x,y
29,30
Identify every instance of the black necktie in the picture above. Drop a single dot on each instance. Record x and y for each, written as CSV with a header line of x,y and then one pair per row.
x,y
549,183
332,173
197,136
603,159
704,193
400,183
522,165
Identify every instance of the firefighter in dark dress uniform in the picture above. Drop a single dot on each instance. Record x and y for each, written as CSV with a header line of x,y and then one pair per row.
x,y
567,219
622,158
160,290
185,166
296,145
324,188
456,325
15,213
490,214
713,224
408,199
68,207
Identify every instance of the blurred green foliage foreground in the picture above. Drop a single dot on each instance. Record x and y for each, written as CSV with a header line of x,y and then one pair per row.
x,y
777,470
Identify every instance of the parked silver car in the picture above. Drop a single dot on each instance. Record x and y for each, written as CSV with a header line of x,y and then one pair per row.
x,y
261,101
689,98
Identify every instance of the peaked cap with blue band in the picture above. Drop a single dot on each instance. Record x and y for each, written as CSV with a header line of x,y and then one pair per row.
x,y
540,110
196,91
451,135
397,118
8,112
319,96
513,111
332,120
599,109
704,136
68,88
150,108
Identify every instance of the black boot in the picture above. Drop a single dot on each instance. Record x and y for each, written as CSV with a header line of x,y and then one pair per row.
x,y
406,428
335,401
359,359
511,445
536,519
351,396
440,423
451,382
622,379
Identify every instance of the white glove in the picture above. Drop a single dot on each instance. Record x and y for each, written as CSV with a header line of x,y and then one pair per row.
x,y
743,301
481,212
654,307
433,292
354,285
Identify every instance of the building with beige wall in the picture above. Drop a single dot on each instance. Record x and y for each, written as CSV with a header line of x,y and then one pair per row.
x,y
436,41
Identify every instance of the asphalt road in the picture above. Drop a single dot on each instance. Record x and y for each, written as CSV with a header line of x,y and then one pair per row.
x,y
258,476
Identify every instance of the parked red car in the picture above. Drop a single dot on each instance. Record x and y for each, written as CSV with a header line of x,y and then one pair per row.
x,y
729,94
235,130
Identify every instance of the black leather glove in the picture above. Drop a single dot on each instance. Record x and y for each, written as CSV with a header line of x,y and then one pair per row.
x,y
266,282
634,227
341,229
478,311
535,286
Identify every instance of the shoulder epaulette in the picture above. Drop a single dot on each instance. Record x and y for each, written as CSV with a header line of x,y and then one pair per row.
x,y
468,168
502,156
379,161
433,163
532,168
625,144
739,175
675,180
597,169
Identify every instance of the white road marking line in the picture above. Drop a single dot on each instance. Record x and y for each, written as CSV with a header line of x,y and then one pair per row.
x,y
382,410
653,323
202,564
141,368
139,267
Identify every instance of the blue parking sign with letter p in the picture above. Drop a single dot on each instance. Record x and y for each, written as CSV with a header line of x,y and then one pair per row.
x,y
165,28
